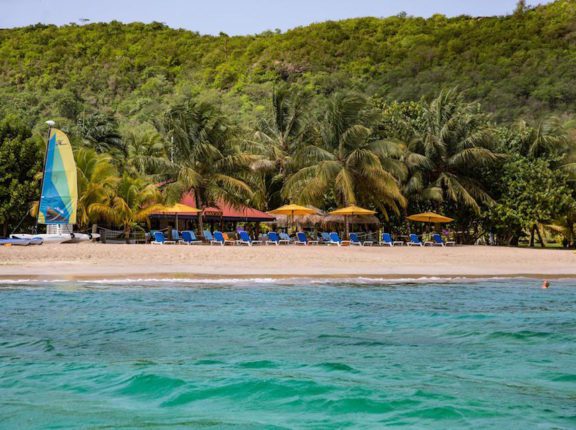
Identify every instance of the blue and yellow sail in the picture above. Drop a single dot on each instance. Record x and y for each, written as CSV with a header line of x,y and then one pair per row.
x,y
59,198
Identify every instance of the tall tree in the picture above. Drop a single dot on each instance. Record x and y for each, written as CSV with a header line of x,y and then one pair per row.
x,y
205,160
532,193
453,141
100,132
20,164
280,134
547,137
97,180
346,162
144,150
130,205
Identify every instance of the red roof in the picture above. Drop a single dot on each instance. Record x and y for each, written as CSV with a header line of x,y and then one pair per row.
x,y
229,212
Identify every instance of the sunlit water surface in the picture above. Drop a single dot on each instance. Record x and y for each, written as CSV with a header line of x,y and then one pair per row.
x,y
307,355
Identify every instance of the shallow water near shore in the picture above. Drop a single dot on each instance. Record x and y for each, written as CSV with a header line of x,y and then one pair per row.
x,y
279,354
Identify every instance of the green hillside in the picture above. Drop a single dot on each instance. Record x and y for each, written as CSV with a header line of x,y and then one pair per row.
x,y
518,65
470,117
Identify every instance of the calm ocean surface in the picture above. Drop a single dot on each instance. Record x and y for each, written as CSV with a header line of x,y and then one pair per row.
x,y
490,354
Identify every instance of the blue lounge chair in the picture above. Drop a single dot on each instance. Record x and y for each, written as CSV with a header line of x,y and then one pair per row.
x,y
189,238
150,235
355,241
387,240
245,239
325,238
438,241
160,239
415,240
302,239
274,239
219,239
335,239
176,236
284,237
207,235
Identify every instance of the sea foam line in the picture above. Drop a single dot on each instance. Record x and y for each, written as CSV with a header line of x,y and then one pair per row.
x,y
284,281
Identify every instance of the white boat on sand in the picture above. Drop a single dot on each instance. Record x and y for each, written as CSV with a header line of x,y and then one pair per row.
x,y
58,238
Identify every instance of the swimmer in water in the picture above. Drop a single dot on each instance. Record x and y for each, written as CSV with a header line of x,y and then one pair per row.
x,y
545,284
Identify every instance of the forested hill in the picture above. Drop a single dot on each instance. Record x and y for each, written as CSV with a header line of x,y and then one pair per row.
x,y
518,65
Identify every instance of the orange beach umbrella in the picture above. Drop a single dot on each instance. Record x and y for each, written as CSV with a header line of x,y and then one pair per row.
x,y
430,217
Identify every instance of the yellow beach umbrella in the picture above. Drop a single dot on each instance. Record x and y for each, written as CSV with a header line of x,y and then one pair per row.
x,y
292,211
178,209
352,210
430,217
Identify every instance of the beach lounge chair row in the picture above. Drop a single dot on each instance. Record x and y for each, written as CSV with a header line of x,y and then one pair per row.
x,y
273,238
436,241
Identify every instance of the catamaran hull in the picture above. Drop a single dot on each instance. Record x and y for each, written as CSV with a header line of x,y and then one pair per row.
x,y
46,238
56,238
83,237
20,242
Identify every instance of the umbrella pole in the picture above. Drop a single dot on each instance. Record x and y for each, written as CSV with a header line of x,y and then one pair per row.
x,y
347,227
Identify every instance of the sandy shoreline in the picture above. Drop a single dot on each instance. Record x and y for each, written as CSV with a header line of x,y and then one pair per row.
x,y
97,261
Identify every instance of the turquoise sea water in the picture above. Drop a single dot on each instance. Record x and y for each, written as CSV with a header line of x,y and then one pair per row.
x,y
264,355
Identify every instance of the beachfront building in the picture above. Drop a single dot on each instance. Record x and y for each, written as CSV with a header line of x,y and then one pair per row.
x,y
222,216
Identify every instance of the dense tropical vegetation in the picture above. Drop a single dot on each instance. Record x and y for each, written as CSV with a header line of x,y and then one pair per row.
x,y
471,117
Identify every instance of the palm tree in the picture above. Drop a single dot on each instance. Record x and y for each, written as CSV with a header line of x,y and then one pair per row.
x,y
553,138
567,163
453,140
143,152
547,137
131,204
205,161
346,162
100,132
285,129
97,178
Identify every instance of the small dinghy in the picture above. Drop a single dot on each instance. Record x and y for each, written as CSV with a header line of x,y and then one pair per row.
x,y
44,238
21,242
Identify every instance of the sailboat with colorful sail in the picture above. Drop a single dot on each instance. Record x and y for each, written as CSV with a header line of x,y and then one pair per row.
x,y
59,197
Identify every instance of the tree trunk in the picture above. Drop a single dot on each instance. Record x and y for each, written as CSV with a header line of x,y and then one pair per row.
x,y
570,233
532,229
514,240
127,233
5,229
200,215
540,236
405,212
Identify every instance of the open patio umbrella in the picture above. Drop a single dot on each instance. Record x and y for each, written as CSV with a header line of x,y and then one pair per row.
x,y
430,217
179,209
292,211
349,211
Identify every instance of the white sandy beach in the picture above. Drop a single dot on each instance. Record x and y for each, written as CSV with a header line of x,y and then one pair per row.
x,y
147,261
